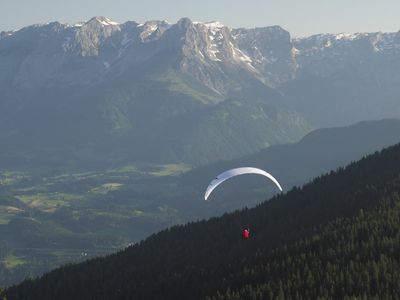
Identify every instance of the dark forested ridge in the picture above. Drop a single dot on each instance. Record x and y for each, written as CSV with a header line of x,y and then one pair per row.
x,y
335,238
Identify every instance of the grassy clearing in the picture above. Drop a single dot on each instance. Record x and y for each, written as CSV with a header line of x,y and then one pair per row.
x,y
81,175
7,213
9,177
170,169
11,261
153,170
4,218
124,169
48,202
106,188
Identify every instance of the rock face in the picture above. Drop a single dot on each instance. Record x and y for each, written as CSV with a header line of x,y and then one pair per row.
x,y
271,52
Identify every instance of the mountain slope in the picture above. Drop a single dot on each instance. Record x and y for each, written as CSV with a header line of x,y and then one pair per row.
x,y
295,164
348,258
295,234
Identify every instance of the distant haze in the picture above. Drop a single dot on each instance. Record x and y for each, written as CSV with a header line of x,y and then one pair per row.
x,y
300,18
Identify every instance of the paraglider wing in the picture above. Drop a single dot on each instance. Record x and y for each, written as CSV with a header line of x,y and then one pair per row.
x,y
235,172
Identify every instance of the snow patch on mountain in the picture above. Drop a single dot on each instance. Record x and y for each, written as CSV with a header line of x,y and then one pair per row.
x,y
79,24
125,40
106,21
148,29
214,25
379,42
239,55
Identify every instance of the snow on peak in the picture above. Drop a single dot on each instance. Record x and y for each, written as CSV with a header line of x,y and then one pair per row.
x,y
385,41
148,29
79,24
215,37
214,24
107,22
104,21
347,36
295,51
237,54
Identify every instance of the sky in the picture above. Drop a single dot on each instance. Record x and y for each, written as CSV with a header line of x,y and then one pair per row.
x,y
299,17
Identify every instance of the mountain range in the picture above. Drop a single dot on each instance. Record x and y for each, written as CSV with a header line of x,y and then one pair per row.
x,y
135,92
189,92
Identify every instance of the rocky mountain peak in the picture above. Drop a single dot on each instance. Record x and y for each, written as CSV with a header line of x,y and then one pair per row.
x,y
152,30
184,23
89,37
271,50
102,21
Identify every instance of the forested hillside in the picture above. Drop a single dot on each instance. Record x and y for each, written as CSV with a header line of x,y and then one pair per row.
x,y
335,238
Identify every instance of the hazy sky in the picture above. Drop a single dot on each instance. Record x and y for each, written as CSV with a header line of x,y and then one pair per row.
x,y
300,17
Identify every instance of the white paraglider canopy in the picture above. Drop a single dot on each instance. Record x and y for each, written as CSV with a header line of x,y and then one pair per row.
x,y
235,172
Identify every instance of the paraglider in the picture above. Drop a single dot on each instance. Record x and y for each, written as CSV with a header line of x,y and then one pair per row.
x,y
235,172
